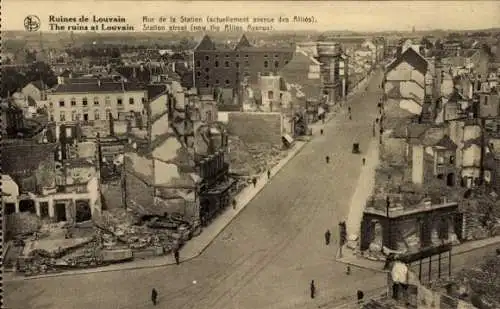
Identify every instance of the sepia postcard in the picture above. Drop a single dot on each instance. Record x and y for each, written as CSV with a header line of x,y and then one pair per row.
x,y
250,154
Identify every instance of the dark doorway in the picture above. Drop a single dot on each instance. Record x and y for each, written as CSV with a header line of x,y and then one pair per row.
x,y
10,208
85,117
44,210
450,180
27,206
60,212
83,212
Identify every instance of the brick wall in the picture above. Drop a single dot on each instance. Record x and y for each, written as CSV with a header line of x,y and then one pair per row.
x,y
255,128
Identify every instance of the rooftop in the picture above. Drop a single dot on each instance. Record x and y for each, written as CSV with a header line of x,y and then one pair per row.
x,y
103,87
413,58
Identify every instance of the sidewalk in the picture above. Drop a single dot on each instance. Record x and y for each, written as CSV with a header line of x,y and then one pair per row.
x,y
349,258
198,244
193,247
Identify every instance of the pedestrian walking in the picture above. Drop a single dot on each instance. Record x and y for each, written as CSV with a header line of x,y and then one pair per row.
x,y
176,256
327,159
154,297
349,109
268,174
348,270
254,181
364,161
327,237
360,296
234,203
313,289
350,117
321,131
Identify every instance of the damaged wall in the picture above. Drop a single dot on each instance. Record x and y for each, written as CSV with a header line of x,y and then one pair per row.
x,y
255,128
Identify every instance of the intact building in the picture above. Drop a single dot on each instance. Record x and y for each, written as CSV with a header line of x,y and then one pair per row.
x,y
95,101
228,67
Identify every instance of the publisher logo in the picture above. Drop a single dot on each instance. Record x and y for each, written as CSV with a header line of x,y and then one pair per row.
x,y
31,23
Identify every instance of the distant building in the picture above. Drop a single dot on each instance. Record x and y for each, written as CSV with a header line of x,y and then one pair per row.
x,y
94,101
406,79
228,67
36,90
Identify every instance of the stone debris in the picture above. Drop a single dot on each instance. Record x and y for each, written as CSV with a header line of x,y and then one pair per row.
x,y
22,223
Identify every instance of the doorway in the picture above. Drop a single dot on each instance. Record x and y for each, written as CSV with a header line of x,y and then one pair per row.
x,y
450,180
10,208
27,206
44,210
60,212
83,212
85,117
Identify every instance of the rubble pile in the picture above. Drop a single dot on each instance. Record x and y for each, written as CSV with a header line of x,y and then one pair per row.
x,y
23,223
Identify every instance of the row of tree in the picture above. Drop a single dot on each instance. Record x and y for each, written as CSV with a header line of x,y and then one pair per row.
x,y
13,79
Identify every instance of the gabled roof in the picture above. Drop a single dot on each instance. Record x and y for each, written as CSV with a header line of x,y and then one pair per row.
x,y
243,43
39,84
446,143
413,58
205,44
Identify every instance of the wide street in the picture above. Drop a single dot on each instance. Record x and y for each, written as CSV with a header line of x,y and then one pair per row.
x,y
265,258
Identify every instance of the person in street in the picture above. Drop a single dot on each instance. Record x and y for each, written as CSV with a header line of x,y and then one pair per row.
x,y
254,181
176,256
327,159
349,109
350,116
313,289
154,297
321,131
364,161
234,203
360,296
348,270
327,237
268,174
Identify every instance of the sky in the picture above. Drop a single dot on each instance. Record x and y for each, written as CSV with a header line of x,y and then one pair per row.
x,y
331,15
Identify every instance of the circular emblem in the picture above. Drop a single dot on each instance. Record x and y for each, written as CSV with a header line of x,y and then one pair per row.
x,y
31,23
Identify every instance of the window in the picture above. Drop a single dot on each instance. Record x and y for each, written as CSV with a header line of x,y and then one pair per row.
x,y
96,101
247,64
207,58
73,101
226,64
207,85
207,77
68,132
107,101
237,55
207,70
216,64
276,64
73,115
209,116
62,116
198,73
237,64
227,56
198,63
265,56
486,100
228,81
119,101
61,103
51,117
440,160
108,114
266,64
96,115
270,95
246,56
286,61
51,104
84,101
131,101
216,81
276,56
452,159
143,100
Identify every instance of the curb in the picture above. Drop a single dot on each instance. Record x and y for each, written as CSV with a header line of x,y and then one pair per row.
x,y
167,263
457,253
